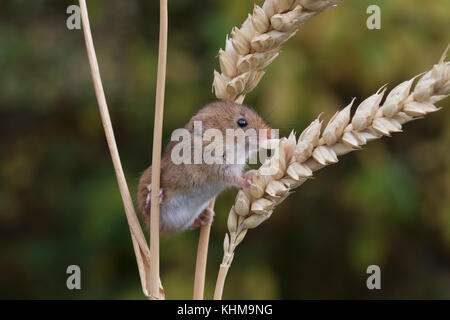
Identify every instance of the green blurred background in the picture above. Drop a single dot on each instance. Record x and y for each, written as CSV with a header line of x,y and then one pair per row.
x,y
388,205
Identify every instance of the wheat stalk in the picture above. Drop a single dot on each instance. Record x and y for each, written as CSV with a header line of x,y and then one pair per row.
x,y
257,43
297,159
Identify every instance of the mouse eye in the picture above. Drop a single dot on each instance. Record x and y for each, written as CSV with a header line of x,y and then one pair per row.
x,y
242,122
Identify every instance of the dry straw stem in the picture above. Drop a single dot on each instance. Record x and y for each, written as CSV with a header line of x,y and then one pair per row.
x,y
140,246
202,255
296,159
257,43
154,282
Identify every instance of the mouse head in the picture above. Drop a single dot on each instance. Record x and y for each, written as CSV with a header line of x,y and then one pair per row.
x,y
241,127
223,115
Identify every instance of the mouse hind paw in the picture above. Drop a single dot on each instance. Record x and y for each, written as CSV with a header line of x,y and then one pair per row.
x,y
206,217
148,200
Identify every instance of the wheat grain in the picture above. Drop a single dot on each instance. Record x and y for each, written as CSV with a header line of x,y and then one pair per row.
x,y
257,43
296,159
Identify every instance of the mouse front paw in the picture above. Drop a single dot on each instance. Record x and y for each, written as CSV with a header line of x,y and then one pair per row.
x,y
239,182
250,174
206,217
148,200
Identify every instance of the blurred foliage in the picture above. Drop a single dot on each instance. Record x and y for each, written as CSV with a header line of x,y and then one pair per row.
x,y
59,203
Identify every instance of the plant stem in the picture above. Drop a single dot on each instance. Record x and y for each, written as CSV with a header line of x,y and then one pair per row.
x,y
202,256
223,271
156,158
220,282
139,243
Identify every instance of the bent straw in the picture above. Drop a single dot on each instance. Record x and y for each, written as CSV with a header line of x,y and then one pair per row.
x,y
140,246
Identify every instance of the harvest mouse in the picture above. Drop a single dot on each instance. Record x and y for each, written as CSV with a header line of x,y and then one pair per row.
x,y
187,189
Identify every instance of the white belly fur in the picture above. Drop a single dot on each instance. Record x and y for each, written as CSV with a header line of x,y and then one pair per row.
x,y
179,212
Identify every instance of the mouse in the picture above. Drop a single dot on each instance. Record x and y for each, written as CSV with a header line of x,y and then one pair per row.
x,y
186,189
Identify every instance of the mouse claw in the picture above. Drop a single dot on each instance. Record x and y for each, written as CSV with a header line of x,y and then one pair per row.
x,y
209,214
148,200
247,183
242,182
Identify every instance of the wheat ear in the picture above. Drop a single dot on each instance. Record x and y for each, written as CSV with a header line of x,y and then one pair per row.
x,y
297,159
249,50
257,43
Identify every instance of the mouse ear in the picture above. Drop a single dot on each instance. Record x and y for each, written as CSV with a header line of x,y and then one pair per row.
x,y
199,121
200,117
